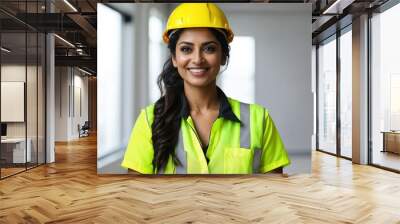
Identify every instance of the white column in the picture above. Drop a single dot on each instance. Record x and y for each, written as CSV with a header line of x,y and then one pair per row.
x,y
50,99
360,90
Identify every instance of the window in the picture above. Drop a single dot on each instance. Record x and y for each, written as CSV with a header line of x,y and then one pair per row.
x,y
156,58
22,78
394,102
385,88
240,71
346,94
327,96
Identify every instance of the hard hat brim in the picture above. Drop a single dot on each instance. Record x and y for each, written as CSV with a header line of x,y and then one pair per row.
x,y
229,33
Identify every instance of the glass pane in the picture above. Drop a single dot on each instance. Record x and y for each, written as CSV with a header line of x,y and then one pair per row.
x,y
346,94
13,88
41,98
327,96
386,89
31,97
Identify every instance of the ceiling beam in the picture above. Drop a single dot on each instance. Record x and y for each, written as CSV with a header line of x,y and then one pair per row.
x,y
337,6
84,24
85,61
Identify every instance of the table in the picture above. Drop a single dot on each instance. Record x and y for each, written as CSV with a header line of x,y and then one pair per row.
x,y
13,150
391,141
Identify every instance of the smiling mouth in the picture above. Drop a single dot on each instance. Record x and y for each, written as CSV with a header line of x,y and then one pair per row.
x,y
198,71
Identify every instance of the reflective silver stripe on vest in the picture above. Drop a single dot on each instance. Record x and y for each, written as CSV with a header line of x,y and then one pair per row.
x,y
245,126
245,135
258,152
256,160
181,156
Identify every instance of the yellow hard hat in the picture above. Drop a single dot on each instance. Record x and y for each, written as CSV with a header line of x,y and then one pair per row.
x,y
189,15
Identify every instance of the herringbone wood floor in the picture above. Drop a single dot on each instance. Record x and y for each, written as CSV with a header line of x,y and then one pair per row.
x,y
70,191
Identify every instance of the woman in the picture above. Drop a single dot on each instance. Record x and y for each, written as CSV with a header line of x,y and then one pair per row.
x,y
194,128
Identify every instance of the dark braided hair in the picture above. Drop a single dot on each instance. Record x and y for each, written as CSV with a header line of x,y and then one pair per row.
x,y
166,124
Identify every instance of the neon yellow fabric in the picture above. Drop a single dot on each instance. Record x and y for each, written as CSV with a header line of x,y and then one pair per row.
x,y
190,15
274,154
225,154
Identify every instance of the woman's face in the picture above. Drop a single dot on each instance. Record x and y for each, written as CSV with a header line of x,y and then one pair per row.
x,y
198,57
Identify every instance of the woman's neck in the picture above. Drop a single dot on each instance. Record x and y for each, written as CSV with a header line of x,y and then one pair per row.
x,y
202,99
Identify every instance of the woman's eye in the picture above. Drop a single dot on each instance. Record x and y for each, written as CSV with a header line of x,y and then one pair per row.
x,y
209,49
185,49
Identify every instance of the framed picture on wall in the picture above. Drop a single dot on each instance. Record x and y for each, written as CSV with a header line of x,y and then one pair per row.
x,y
12,101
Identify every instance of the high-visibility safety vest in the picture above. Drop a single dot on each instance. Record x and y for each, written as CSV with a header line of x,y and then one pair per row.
x,y
252,145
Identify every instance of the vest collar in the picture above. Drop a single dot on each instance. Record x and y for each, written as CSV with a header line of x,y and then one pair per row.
x,y
225,109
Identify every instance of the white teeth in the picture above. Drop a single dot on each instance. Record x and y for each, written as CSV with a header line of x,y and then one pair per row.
x,y
197,69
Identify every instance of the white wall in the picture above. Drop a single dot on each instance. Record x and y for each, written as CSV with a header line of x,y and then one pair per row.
x,y
12,73
68,81
61,103
81,108
17,73
33,126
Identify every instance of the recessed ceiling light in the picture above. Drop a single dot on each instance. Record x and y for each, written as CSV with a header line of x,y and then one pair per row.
x,y
337,7
70,5
64,40
84,71
5,50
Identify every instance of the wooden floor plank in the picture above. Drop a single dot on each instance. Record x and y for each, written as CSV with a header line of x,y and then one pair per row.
x,y
70,191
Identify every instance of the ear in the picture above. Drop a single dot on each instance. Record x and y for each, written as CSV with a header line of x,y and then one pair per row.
x,y
173,61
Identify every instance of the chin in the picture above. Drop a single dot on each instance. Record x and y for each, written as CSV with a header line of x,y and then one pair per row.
x,y
199,83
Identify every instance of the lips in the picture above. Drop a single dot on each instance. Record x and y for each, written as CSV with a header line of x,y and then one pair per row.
x,y
198,71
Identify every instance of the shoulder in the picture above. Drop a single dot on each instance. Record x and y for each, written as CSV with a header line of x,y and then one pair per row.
x,y
149,109
254,107
146,114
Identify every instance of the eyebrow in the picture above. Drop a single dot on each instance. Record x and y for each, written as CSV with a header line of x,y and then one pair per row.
x,y
189,43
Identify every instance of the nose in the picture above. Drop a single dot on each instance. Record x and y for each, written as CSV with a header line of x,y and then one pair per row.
x,y
198,57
